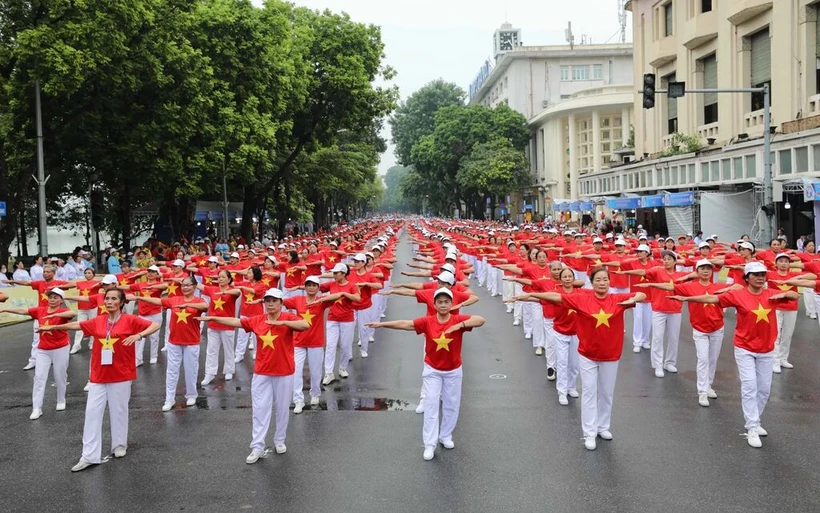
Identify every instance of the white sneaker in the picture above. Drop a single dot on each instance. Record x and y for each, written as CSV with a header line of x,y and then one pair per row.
x,y
636,349
191,401
539,351
364,354
516,322
647,346
711,394
761,431
703,400
250,347
329,378
420,408
237,359
343,373
228,377
528,336
75,349
167,406
429,453
139,364
164,349
382,316
753,438
658,372
670,368
360,342
207,380
562,399
448,444
28,366
776,368
589,443
280,448
36,413
87,386
119,452
61,406
254,456
298,407
605,434
573,393
314,401
81,465
371,339
813,316
551,374
153,361
786,364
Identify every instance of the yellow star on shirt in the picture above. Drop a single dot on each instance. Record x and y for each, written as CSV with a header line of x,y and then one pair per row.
x,y
784,287
102,310
598,262
218,303
571,311
249,297
44,297
602,318
761,313
267,340
123,282
331,259
339,300
108,343
442,342
266,281
291,270
308,317
182,316
706,305
85,292
172,289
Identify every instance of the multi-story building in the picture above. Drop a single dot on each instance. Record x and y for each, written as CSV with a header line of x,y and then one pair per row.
x,y
723,44
551,85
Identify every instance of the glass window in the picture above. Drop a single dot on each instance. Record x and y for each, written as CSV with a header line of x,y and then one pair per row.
x,y
737,164
801,159
671,107
692,174
785,162
604,122
580,72
631,181
716,171
564,73
705,5
597,71
616,121
616,134
704,172
761,65
667,176
649,178
726,165
667,13
751,166
710,100
605,147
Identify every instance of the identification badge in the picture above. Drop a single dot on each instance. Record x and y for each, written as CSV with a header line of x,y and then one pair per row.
x,y
107,357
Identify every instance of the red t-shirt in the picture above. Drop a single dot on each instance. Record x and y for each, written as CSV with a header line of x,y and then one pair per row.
x,y
341,310
617,281
756,328
441,352
274,351
143,308
221,305
600,324
208,275
314,265
565,318
546,285
174,288
786,304
706,318
50,339
534,273
293,276
633,265
252,310
185,330
271,280
314,314
660,301
427,296
124,364
814,268
42,287
87,289
366,292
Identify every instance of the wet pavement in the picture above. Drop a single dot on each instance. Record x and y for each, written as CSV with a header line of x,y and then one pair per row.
x,y
360,450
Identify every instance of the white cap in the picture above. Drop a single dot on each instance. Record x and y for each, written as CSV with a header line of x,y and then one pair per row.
x,y
340,268
283,246
448,245
443,290
235,255
704,245
370,254
272,258
510,242
746,245
644,248
609,235
640,227
643,236
449,268
754,267
669,252
597,240
59,292
567,232
109,279
240,247
154,268
275,293
450,256
446,277
332,243
360,257
552,230
213,259
312,279
713,237
179,263
620,242
782,255
703,262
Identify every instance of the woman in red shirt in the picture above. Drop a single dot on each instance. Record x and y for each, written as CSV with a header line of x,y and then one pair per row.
x,y
809,254
600,325
85,309
363,310
340,321
272,384
252,292
754,339
113,367
309,344
52,350
222,302
152,287
294,274
183,340
442,373
786,310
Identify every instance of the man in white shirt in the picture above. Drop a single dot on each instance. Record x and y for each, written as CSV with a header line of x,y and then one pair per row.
x,y
37,269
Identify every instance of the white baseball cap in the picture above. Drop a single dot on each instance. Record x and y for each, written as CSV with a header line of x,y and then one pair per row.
x,y
240,247
154,268
213,259
754,267
669,252
746,245
360,257
446,277
450,268
644,248
450,256
704,245
597,240
59,292
312,279
620,242
178,263
235,255
782,255
109,279
340,268
703,262
275,293
443,290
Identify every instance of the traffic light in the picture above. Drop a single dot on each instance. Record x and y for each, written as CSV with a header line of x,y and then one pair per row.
x,y
648,90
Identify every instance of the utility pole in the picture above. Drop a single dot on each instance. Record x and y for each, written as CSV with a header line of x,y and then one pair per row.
x,y
41,172
225,221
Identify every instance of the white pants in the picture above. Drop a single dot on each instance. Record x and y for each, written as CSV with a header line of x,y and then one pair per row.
x,y
167,318
567,362
188,357
35,341
507,289
361,318
539,336
808,300
378,305
481,270
116,396
816,306
339,334
641,324
598,388
83,315
268,392
668,324
492,280
707,347
519,305
44,360
153,338
549,341
529,318
244,340
786,320
314,356
444,386
217,339
755,372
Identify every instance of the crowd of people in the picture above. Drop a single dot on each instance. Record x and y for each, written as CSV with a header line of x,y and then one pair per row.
x,y
307,299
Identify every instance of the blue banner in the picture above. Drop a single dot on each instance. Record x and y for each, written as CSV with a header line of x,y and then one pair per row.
x,y
624,203
587,206
680,199
811,190
575,206
652,201
560,207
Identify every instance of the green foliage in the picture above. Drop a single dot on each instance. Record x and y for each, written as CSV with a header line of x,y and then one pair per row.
x,y
682,144
493,169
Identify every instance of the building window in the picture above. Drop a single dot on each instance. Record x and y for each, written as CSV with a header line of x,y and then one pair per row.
x,y
580,73
564,73
705,6
667,14
710,100
785,162
671,107
597,71
817,52
566,96
761,65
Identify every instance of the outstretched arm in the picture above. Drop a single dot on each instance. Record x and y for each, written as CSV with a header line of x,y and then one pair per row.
x,y
393,325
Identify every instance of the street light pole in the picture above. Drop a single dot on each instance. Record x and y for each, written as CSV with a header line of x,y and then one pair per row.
x,y
225,221
41,173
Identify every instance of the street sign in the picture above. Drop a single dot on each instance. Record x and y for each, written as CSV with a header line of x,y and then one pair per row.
x,y
2,208
676,89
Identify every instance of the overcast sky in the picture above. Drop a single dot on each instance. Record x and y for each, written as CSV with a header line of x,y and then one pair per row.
x,y
451,39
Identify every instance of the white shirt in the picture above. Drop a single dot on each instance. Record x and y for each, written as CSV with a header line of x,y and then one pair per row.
x,y
36,272
21,274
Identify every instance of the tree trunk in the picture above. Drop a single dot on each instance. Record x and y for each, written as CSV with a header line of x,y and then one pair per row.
x,y
23,239
125,218
250,204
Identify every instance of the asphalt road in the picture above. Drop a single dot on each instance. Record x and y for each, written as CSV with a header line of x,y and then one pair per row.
x,y
516,448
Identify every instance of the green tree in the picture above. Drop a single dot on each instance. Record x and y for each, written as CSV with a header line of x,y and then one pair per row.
x,y
394,198
492,169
